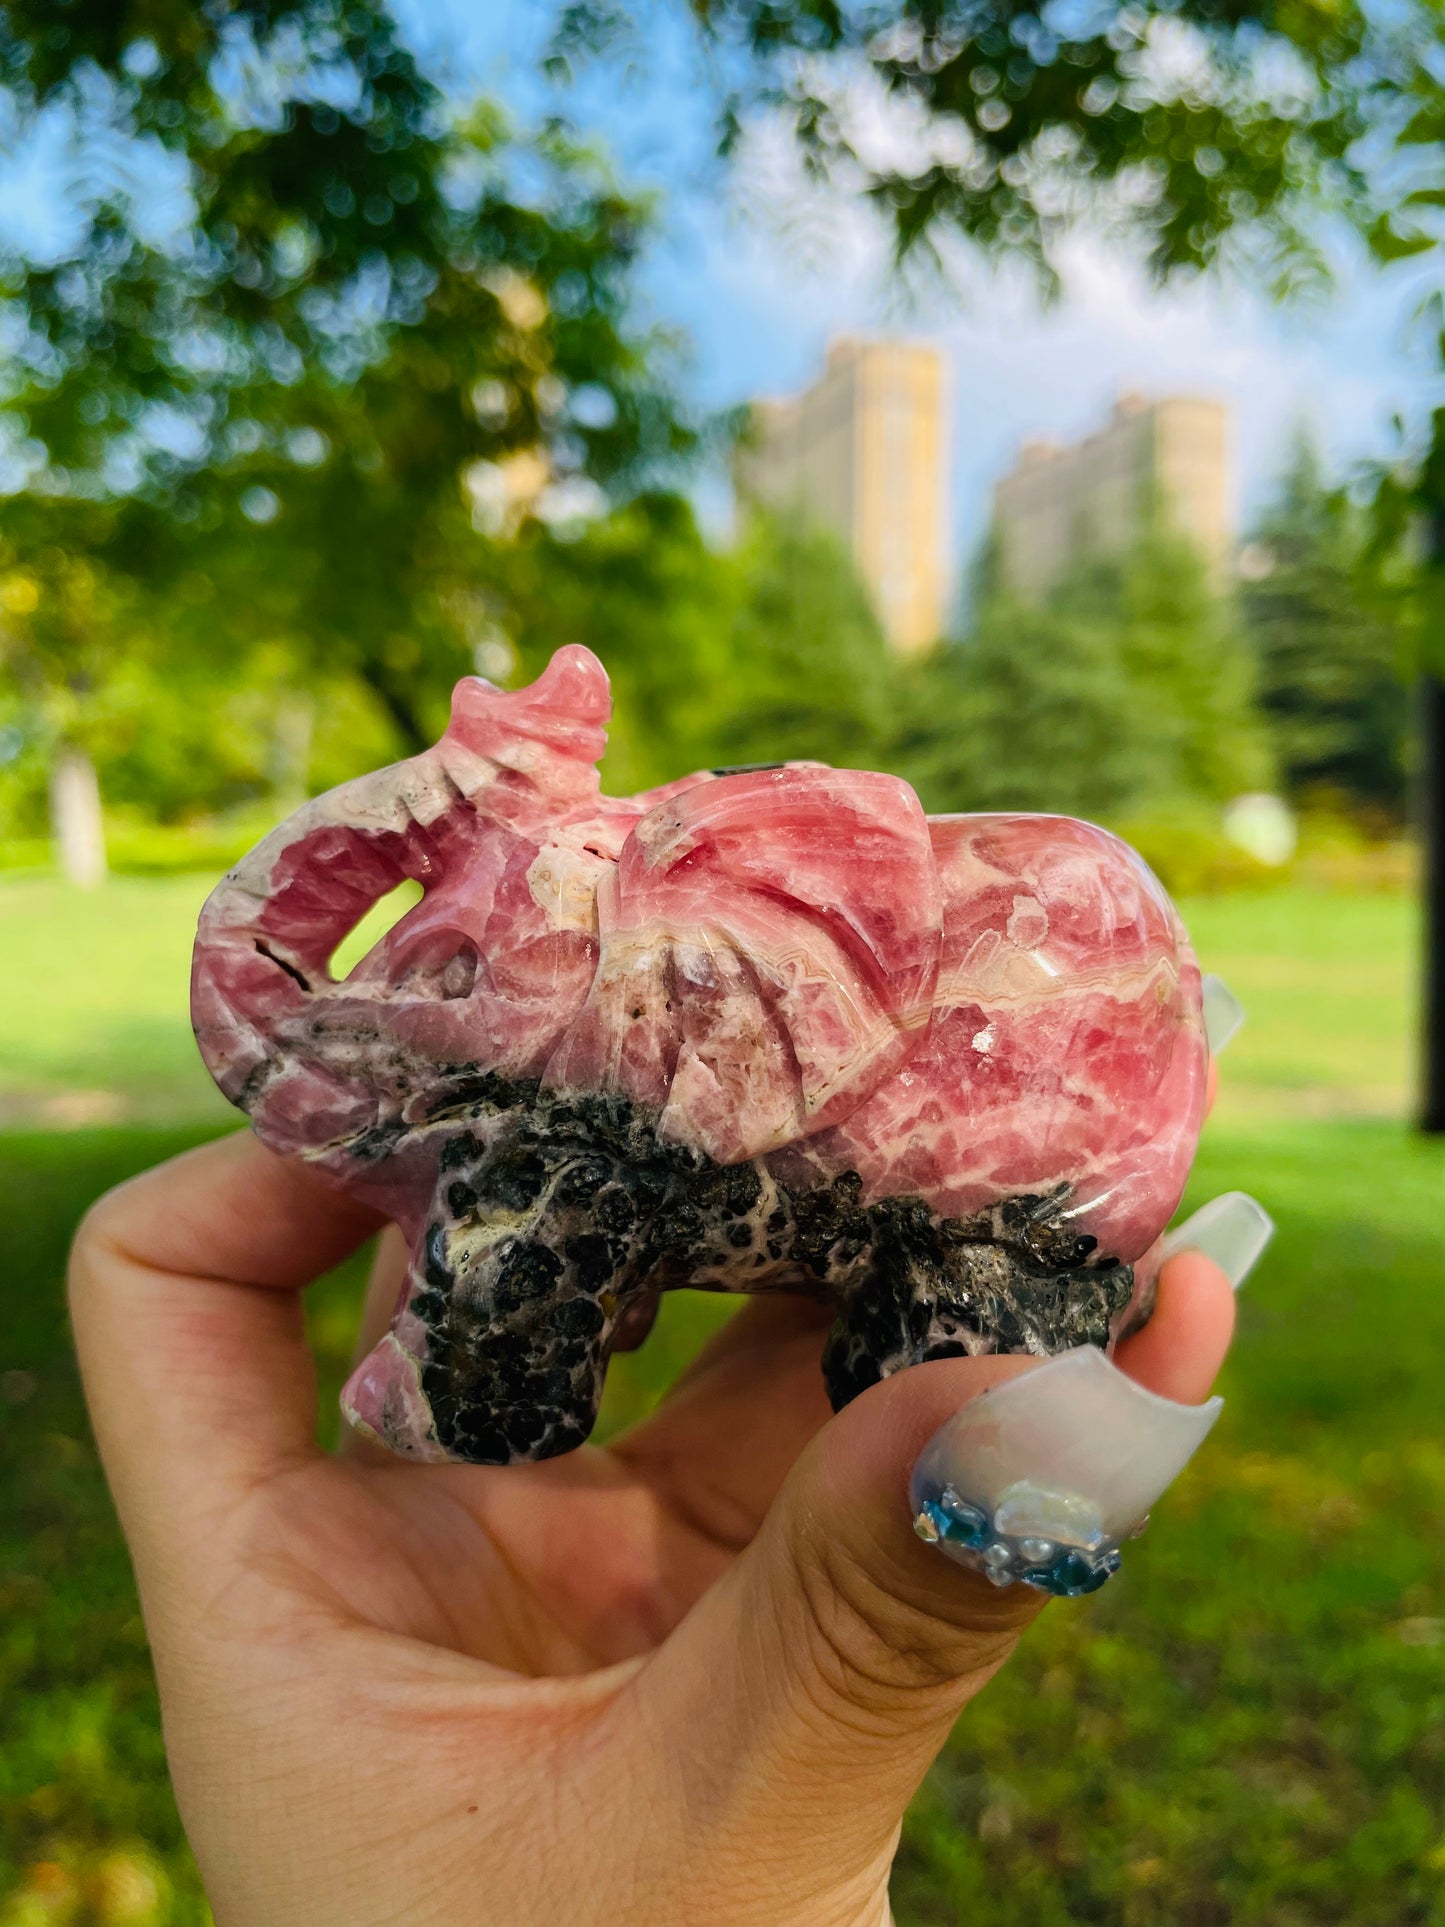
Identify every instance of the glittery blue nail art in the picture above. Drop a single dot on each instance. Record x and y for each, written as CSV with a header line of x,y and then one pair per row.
x,y
982,1542
1040,1480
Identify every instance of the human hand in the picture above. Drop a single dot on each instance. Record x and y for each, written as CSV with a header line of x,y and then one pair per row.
x,y
694,1676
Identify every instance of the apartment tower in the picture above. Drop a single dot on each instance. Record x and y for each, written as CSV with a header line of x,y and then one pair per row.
x,y
1061,501
861,452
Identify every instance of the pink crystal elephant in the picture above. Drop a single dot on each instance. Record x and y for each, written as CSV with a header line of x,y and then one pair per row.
x,y
760,1030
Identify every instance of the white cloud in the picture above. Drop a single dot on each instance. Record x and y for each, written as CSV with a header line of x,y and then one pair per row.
x,y
762,298
761,287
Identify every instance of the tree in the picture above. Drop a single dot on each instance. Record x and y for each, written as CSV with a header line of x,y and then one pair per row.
x,y
809,674
759,653
54,608
644,590
1329,656
1197,124
1213,131
1127,690
373,340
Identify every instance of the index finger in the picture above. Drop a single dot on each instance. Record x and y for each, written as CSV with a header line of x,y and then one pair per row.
x,y
183,1298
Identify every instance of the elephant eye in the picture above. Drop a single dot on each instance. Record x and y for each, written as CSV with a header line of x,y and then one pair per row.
x,y
443,966
460,973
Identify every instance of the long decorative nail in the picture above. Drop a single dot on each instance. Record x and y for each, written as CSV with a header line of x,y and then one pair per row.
x,y
1223,1013
1042,1479
1232,1229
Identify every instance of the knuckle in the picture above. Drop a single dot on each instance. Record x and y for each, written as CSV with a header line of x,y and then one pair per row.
x,y
877,1645
97,1237
109,1238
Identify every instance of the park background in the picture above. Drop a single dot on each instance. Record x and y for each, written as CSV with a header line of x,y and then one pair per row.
x,y
341,357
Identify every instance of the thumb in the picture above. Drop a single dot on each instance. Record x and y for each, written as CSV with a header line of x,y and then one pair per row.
x,y
814,1686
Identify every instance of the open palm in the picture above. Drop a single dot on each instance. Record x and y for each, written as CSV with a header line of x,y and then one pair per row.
x,y
582,1561
695,1676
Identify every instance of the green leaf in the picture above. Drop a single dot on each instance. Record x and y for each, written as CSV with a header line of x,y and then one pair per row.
x,y
1387,244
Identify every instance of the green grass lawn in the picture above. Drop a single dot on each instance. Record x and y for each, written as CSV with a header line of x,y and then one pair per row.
x,y
1248,1726
93,994
93,998
93,1001
1326,981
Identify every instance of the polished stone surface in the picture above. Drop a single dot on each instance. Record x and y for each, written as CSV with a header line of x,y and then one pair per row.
x,y
773,1029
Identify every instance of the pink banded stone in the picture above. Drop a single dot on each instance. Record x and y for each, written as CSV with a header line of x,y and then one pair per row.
x,y
759,1030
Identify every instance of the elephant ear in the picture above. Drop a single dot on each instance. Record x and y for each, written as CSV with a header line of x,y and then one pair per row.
x,y
769,947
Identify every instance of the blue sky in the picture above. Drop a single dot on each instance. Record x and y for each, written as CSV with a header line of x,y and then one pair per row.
x,y
759,284
758,274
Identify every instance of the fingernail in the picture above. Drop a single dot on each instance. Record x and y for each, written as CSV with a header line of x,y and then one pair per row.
x,y
1232,1229
1042,1479
1223,1012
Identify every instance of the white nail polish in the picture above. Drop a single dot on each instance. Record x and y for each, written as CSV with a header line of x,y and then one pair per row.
x,y
1232,1229
1042,1478
1223,1012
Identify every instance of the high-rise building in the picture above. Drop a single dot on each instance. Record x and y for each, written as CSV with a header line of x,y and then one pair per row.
x,y
1093,495
862,453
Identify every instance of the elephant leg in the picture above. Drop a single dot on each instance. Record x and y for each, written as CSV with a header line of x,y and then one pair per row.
x,y
533,1262
507,1383
902,1310
505,1365
924,1298
520,1311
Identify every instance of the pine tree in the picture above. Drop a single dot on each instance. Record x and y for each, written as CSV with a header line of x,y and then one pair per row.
x,y
1129,687
809,673
1331,681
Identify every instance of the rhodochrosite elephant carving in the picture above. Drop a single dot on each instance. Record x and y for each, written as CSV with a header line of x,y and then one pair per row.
x,y
760,1030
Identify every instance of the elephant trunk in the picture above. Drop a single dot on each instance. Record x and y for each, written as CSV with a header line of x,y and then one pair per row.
x,y
316,1062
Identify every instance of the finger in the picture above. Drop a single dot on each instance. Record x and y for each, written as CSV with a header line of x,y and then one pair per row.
x,y
1206,1260
383,1290
384,1286
723,1440
183,1294
829,1663
1179,1352
720,1445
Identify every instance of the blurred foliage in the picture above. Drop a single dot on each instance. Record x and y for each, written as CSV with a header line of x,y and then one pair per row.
x,y
82,1772
1128,686
1131,695
1337,854
765,651
1245,1728
1186,849
181,739
305,349
644,590
758,653
371,413
1245,134
810,673
330,391
1329,650
1196,122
